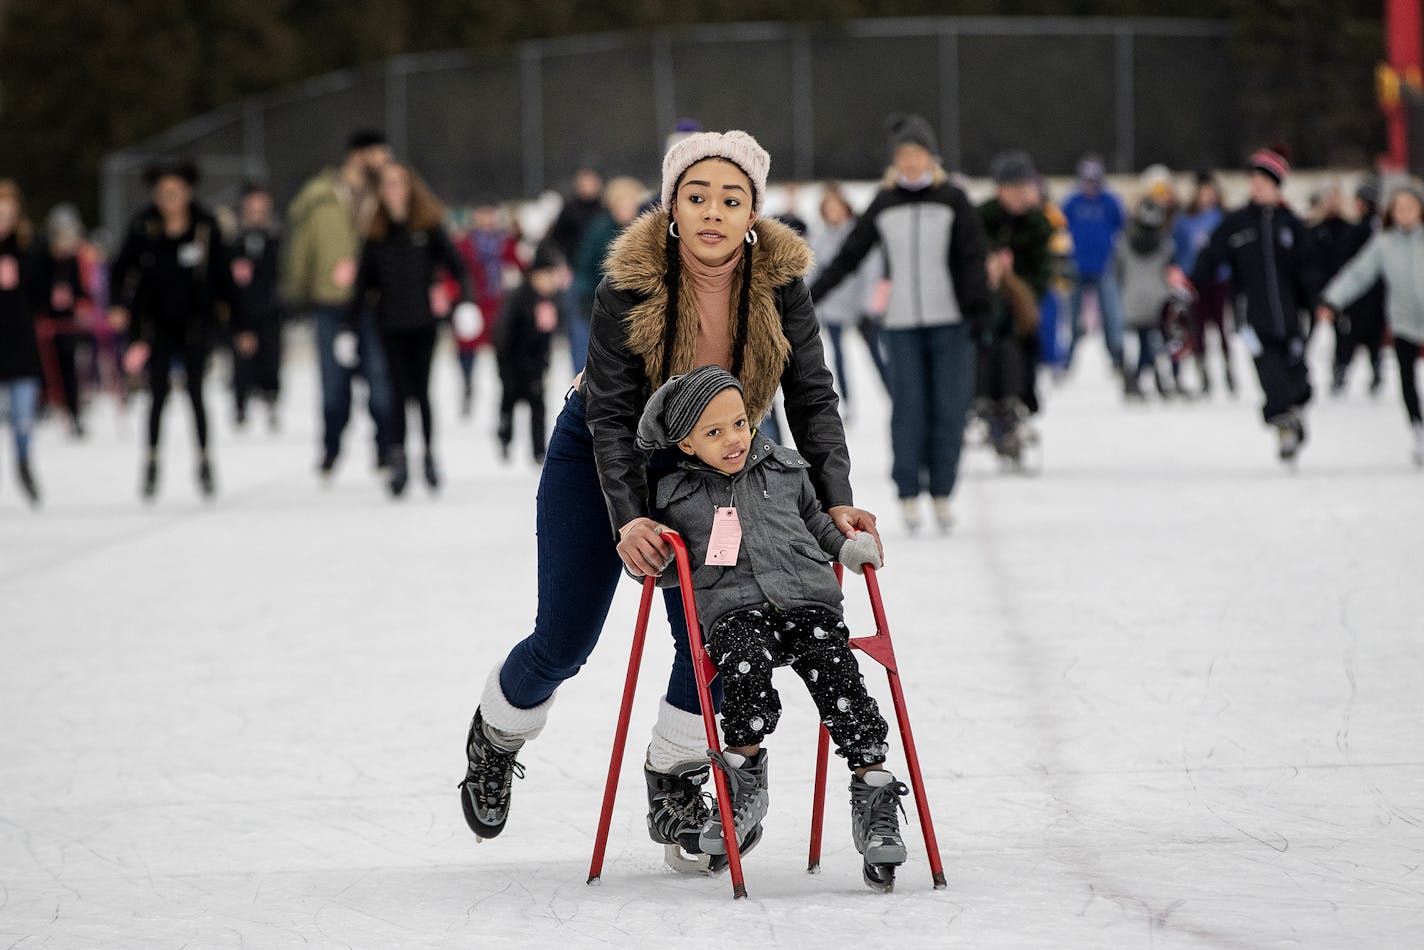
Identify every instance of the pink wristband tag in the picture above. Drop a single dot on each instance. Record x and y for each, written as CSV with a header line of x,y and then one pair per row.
x,y
726,540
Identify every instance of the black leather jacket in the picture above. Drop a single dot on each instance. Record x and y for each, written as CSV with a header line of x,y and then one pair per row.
x,y
615,388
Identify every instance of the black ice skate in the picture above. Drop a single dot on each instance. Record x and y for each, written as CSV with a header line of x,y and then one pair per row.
x,y
400,472
678,807
28,484
746,783
1290,430
874,827
150,478
205,477
489,775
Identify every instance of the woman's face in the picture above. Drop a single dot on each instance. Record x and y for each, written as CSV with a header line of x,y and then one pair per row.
x,y
9,215
713,210
913,162
1406,212
172,194
834,211
1206,196
395,192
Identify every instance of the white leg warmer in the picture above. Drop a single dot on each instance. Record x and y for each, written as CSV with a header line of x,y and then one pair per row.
x,y
677,737
513,724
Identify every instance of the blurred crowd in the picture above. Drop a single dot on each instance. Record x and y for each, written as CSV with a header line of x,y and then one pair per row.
x,y
381,269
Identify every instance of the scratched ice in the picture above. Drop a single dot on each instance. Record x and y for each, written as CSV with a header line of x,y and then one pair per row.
x,y
1166,695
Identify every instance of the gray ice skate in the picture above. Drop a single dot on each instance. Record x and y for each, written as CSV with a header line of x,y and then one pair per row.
x,y
746,784
875,828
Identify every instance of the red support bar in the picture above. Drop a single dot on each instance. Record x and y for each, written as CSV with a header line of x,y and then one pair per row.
x,y
818,800
620,738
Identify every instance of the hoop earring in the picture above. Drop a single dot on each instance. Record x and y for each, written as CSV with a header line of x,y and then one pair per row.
x,y
752,236
672,231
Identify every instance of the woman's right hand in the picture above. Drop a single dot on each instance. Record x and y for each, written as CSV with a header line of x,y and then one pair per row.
x,y
642,548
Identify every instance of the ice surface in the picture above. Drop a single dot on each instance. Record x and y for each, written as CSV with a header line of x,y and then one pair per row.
x,y
1166,695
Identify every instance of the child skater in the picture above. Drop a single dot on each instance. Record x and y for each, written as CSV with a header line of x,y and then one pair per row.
x,y
761,549
521,345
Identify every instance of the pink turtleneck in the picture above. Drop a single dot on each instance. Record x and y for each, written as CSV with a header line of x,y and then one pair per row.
x,y
713,289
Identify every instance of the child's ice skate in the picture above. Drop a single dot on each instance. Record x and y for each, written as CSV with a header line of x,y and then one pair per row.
x,y
746,783
875,828
910,508
1290,431
678,807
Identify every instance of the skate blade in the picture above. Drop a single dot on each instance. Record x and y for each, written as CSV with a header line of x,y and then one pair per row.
x,y
684,863
879,877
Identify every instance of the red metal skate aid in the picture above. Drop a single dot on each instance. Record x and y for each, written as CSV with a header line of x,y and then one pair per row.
x,y
880,649
877,647
705,671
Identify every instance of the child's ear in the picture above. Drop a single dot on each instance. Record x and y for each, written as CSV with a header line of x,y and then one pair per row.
x,y
686,446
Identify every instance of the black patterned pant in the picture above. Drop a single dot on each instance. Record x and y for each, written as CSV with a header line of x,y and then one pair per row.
x,y
749,643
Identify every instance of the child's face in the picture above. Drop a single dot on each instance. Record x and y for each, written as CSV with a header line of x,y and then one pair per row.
x,y
722,436
545,281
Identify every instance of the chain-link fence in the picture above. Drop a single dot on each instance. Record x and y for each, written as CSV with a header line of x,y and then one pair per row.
x,y
483,127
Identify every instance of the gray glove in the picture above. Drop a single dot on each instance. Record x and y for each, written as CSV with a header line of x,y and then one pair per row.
x,y
860,551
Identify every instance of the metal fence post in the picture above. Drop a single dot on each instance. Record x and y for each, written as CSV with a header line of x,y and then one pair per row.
x,y
531,78
952,153
803,124
1124,100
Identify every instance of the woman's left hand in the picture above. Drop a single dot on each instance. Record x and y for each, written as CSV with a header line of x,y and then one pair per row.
x,y
850,520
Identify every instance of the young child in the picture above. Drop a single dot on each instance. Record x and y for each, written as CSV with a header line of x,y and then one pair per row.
x,y
521,344
761,550
1144,260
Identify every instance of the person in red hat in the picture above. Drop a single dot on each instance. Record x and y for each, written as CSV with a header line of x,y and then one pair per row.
x,y
1266,246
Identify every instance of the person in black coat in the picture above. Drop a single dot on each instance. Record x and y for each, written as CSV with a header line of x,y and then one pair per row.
x,y
170,288
1360,325
580,209
521,346
60,291
257,355
1273,280
19,353
405,247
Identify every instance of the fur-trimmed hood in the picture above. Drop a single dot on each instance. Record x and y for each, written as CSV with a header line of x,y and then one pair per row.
x,y
637,264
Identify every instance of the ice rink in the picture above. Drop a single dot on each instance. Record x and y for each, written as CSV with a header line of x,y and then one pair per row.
x,y
1166,695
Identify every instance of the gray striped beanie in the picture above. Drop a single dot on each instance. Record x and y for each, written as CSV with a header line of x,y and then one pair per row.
x,y
675,407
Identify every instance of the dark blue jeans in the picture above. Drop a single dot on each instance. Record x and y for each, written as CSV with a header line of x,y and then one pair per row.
x,y
579,571
931,381
336,379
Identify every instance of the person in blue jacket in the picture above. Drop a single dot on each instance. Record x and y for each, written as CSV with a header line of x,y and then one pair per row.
x,y
1095,219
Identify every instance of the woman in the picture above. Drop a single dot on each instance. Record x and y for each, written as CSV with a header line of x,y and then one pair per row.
x,y
934,248
1396,255
849,304
166,285
19,353
702,280
405,245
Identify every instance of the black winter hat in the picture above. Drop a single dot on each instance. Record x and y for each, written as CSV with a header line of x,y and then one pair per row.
x,y
547,256
183,168
673,411
1012,167
911,130
366,138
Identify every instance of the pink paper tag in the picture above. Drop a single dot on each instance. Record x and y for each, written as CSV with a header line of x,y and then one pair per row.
x,y
9,273
726,539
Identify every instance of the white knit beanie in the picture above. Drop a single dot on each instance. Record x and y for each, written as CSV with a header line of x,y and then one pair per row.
x,y
735,146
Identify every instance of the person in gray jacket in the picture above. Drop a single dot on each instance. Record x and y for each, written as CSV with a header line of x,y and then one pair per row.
x,y
761,548
934,258
1140,263
1396,255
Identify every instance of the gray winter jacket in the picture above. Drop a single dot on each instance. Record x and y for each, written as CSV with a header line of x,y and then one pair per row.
x,y
1142,278
788,542
1398,257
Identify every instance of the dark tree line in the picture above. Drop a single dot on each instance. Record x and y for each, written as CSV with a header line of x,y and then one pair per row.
x,y
80,79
